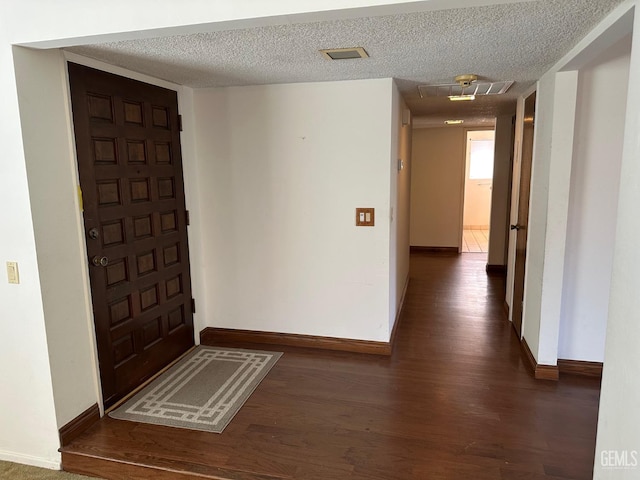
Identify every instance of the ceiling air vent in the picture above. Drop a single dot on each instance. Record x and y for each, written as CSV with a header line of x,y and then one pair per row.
x,y
455,89
344,53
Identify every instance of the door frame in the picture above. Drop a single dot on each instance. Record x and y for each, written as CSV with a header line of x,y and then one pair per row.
x,y
463,180
514,234
467,158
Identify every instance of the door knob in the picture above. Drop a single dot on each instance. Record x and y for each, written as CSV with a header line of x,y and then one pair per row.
x,y
515,227
100,261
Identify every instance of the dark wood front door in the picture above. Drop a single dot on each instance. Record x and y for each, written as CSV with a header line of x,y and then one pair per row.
x,y
130,166
523,211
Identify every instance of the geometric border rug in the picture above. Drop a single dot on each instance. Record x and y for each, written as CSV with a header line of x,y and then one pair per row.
x,y
203,391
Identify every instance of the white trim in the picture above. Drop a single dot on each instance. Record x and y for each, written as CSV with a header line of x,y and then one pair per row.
x,y
29,460
97,382
465,178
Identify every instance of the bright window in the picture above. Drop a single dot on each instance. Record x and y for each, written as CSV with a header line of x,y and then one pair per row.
x,y
481,159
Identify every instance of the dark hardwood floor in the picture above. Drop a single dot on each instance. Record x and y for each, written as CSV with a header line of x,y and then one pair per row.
x,y
454,401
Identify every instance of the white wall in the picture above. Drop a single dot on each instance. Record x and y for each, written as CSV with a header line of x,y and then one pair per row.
x,y
549,203
395,125
593,202
28,429
437,187
500,194
550,186
192,194
401,149
619,415
437,179
62,263
282,169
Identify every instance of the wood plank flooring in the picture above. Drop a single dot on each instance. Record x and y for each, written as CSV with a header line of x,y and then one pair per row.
x,y
454,401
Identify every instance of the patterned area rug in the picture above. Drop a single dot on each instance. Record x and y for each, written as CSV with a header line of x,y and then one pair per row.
x,y
203,391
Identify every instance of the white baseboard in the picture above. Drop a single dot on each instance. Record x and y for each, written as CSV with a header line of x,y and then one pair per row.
x,y
29,460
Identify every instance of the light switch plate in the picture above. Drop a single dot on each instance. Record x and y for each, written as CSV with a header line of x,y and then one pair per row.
x,y
365,217
12,272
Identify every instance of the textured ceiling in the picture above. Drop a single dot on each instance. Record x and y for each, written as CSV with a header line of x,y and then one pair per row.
x,y
502,42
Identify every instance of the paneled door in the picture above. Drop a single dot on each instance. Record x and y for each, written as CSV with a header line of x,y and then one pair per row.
x,y
129,161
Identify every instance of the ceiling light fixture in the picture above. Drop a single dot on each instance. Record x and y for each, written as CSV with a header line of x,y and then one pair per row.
x,y
462,98
466,87
454,122
464,81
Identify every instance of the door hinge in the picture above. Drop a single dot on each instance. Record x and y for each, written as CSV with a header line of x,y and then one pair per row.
x,y
180,122
187,217
193,305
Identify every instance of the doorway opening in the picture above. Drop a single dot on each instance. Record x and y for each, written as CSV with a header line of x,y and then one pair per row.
x,y
478,183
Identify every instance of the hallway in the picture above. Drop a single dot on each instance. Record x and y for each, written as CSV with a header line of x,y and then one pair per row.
x,y
454,401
